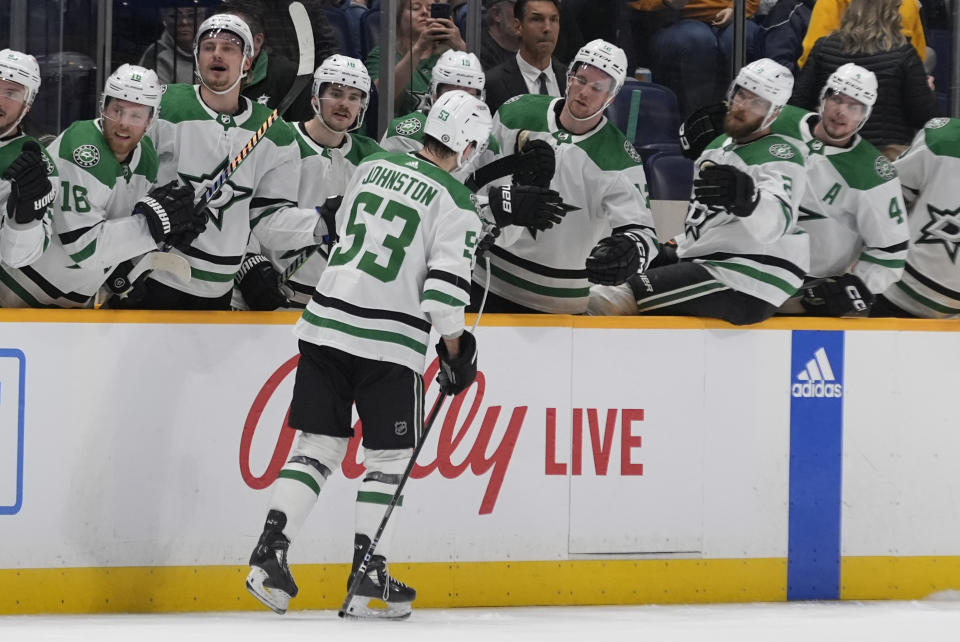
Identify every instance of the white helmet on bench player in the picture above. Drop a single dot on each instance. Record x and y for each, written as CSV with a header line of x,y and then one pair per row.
x,y
458,119
767,79
458,69
225,22
855,82
22,69
342,70
134,84
608,58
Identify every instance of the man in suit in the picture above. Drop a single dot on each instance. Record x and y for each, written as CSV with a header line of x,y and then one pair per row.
x,y
533,70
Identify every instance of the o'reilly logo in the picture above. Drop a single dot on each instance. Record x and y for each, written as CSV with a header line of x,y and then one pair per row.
x,y
817,380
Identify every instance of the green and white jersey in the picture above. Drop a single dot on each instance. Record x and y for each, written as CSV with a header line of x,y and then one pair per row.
x,y
405,134
852,208
407,231
766,254
194,144
324,173
93,228
22,244
599,173
929,171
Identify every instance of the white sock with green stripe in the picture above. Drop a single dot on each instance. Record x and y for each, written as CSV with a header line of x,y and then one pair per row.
x,y
384,470
299,483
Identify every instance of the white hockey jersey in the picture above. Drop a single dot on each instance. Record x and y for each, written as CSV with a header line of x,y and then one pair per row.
x,y
93,228
408,231
21,244
598,172
929,171
766,254
324,173
195,143
852,208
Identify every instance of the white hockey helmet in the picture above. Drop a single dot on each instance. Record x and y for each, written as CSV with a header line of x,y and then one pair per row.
x,y
606,57
458,69
225,22
856,82
343,70
135,84
768,79
22,69
458,119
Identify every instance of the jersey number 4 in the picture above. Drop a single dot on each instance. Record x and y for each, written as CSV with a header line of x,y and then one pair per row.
x,y
371,205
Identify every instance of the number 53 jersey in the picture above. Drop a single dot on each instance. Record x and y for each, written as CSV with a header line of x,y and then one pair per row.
x,y
407,234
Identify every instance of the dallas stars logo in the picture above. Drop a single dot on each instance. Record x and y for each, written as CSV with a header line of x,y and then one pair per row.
x,y
944,228
228,194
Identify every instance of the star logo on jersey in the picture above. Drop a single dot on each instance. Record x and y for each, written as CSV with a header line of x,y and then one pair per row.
x,y
228,194
263,99
86,156
944,228
409,126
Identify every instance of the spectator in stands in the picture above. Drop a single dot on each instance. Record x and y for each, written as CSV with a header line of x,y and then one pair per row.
x,y
870,36
781,35
688,55
420,41
827,14
500,40
279,31
640,20
172,55
533,70
271,76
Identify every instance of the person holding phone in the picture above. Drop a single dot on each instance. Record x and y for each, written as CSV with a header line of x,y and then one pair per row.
x,y
424,31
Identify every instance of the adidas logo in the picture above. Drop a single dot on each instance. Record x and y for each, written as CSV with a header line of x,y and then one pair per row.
x,y
412,164
815,380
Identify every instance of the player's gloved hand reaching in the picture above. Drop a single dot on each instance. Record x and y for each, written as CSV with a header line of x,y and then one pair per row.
x,y
727,187
536,164
30,188
457,373
701,128
259,283
171,215
526,205
328,215
614,259
837,297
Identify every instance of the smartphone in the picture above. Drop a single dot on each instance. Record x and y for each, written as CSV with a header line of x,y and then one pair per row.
x,y
440,10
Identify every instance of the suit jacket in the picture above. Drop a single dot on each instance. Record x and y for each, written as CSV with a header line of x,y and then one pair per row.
x,y
505,81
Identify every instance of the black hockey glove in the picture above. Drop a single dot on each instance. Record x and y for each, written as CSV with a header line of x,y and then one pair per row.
x,y
536,164
456,374
259,283
614,260
727,187
525,205
170,213
30,188
701,128
328,213
838,297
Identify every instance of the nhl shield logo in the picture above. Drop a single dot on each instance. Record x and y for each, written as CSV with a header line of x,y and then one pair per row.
x,y
86,156
409,126
400,428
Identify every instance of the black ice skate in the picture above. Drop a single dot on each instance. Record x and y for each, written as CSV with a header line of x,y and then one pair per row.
x,y
379,586
269,579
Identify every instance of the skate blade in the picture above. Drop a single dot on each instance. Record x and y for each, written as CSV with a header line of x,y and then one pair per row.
x,y
274,599
360,609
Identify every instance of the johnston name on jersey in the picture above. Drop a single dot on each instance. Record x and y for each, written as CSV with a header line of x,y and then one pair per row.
x,y
852,208
94,229
407,231
929,171
599,173
195,144
766,254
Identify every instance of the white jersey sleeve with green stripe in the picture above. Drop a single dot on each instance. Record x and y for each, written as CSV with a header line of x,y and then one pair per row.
x,y
601,175
194,145
930,286
22,244
766,254
407,236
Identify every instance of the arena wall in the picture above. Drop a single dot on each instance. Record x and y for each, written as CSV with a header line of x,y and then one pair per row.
x,y
595,461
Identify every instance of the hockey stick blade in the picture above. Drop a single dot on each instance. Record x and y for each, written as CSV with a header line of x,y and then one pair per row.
x,y
163,261
301,23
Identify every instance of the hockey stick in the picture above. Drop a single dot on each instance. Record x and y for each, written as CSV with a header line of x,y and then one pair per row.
x,y
120,285
362,569
301,23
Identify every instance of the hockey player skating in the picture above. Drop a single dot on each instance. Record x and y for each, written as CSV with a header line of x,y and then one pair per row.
x,y
742,254
106,167
928,170
598,171
26,190
329,154
852,208
401,266
199,130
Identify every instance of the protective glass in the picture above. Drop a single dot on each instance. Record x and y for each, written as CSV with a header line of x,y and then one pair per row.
x,y
129,115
